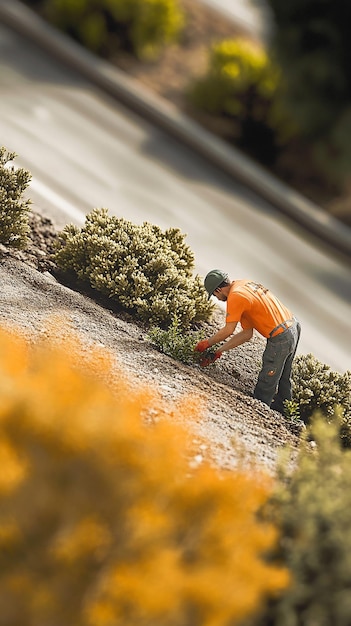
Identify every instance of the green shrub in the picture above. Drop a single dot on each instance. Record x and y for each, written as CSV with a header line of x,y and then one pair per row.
x,y
155,23
178,344
312,509
14,210
316,386
139,26
237,71
146,270
241,84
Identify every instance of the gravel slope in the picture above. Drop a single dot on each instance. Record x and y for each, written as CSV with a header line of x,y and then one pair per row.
x,y
232,427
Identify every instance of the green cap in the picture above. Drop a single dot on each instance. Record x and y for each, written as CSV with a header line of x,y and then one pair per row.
x,y
213,279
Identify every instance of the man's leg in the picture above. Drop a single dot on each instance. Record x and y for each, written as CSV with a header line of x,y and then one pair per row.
x,y
284,386
273,362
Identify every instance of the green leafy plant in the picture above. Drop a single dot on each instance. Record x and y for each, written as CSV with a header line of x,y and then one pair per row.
x,y
177,343
14,226
148,271
291,409
142,27
312,508
317,387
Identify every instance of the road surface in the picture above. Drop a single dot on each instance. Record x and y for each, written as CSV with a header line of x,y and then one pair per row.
x,y
85,151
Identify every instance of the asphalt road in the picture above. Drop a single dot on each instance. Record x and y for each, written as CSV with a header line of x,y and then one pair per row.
x,y
85,151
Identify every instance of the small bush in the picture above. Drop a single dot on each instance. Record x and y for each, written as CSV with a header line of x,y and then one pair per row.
x,y
235,67
14,226
241,84
139,26
102,519
178,344
312,509
316,386
154,23
146,270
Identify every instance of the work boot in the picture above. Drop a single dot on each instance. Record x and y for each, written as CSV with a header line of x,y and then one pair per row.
x,y
277,405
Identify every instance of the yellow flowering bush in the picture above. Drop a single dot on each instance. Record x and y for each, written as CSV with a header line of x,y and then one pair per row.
x,y
241,86
103,521
239,75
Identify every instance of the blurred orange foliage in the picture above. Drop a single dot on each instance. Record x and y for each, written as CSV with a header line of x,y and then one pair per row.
x,y
102,520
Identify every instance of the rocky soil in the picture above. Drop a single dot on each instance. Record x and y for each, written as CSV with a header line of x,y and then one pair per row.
x,y
232,428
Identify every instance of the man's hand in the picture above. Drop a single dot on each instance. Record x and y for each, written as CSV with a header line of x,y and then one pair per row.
x,y
202,346
207,360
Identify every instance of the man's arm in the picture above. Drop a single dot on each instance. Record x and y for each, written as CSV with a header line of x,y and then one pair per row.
x,y
227,331
222,334
241,337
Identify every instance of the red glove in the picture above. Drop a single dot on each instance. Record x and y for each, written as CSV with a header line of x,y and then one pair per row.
x,y
202,346
207,360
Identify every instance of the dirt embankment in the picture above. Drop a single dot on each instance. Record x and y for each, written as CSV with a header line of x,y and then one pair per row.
x,y
231,428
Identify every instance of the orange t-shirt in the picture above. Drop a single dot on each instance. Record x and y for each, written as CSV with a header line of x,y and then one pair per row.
x,y
254,306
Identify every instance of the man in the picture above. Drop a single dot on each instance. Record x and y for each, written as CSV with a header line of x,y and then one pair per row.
x,y
254,306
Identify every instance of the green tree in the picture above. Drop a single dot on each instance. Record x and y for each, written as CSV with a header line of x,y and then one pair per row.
x,y
311,42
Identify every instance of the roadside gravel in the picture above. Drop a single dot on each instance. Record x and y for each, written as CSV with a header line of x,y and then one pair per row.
x,y
231,429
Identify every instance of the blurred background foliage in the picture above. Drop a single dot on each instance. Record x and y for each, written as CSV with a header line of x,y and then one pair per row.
x,y
142,27
241,86
312,45
298,127
103,519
